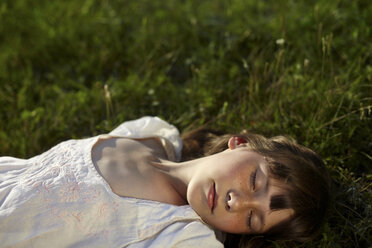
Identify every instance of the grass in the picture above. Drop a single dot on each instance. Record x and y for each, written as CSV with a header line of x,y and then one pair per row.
x,y
72,69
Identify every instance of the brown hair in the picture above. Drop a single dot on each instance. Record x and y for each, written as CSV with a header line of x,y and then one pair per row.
x,y
302,170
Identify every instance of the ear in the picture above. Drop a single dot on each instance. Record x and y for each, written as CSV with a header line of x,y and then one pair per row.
x,y
235,141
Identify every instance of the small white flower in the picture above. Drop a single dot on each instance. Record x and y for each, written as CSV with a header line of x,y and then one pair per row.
x,y
306,62
280,41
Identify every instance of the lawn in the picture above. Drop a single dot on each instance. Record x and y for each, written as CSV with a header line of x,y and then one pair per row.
x,y
73,69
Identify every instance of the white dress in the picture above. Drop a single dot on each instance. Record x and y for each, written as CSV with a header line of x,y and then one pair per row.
x,y
58,199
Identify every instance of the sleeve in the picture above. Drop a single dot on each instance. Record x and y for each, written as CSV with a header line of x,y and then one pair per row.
x,y
150,126
183,235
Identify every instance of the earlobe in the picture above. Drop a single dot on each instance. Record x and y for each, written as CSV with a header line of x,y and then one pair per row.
x,y
235,141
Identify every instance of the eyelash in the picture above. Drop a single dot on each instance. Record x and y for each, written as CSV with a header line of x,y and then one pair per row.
x,y
250,219
253,180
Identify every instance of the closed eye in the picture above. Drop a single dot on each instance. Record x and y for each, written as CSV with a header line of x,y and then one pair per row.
x,y
250,219
253,179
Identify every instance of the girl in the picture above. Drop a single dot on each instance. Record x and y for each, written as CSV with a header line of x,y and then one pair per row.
x,y
128,189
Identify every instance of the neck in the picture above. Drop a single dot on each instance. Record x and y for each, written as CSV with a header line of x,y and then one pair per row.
x,y
178,174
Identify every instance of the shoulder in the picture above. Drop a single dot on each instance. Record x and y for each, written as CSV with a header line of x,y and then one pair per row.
x,y
151,126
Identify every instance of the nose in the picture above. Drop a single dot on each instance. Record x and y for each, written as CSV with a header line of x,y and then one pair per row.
x,y
236,201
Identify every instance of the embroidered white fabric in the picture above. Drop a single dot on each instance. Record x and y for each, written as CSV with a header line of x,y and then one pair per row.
x,y
58,199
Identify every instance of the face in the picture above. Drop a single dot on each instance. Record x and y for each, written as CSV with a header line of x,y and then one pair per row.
x,y
231,191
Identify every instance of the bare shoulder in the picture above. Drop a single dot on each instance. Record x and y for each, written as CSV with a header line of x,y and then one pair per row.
x,y
126,165
127,145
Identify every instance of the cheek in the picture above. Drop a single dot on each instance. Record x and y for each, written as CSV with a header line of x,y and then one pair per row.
x,y
237,177
232,172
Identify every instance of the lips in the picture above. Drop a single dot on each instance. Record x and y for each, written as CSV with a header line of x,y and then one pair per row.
x,y
212,198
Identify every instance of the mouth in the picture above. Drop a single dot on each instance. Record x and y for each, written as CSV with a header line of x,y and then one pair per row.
x,y
212,198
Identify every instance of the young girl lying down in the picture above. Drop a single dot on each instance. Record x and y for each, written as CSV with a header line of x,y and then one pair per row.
x,y
128,188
